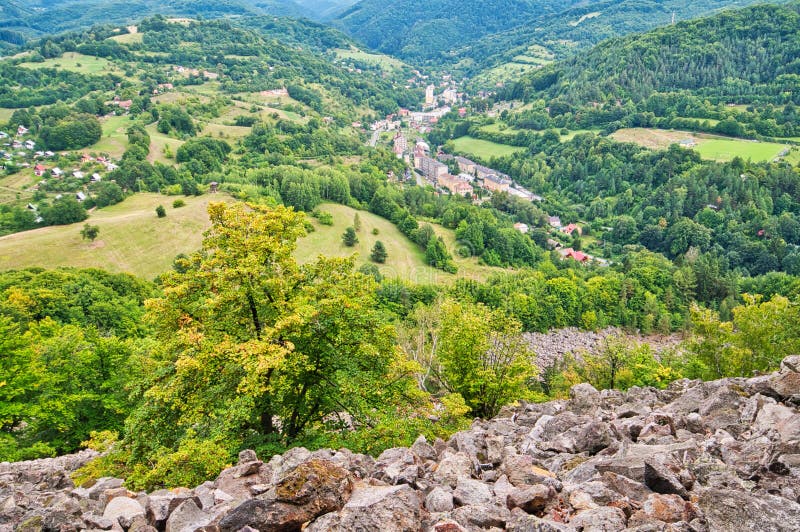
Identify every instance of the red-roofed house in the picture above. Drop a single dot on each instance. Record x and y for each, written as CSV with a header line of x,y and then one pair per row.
x,y
568,230
570,253
39,170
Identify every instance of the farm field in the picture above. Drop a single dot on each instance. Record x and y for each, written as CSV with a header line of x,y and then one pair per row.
x,y
383,61
483,148
708,146
75,62
720,149
5,114
405,259
132,238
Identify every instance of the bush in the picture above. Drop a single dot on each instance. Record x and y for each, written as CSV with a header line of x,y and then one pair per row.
x,y
375,231
178,203
192,464
161,211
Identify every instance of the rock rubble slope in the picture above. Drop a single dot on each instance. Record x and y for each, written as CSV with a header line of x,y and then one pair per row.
x,y
716,456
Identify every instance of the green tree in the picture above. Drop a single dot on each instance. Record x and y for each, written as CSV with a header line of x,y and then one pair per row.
x,y
249,336
349,238
161,211
483,357
90,232
357,222
378,253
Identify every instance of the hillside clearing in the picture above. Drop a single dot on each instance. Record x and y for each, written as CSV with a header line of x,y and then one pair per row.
x,y
75,62
483,148
405,259
132,238
708,146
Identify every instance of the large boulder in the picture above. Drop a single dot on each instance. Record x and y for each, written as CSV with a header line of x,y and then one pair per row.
x,y
382,508
726,509
313,488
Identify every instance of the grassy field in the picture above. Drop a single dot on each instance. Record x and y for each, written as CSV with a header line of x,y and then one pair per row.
x,y
405,259
75,62
570,135
132,239
708,146
115,138
128,38
500,127
484,148
158,141
720,149
383,61
5,114
17,186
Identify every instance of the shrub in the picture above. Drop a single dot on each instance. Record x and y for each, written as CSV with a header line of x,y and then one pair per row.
x,y
178,203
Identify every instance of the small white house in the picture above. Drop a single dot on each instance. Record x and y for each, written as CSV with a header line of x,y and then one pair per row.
x,y
29,144
96,177
57,172
80,196
77,174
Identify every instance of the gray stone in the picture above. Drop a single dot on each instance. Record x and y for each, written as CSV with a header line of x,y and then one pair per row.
x,y
97,521
472,517
439,500
471,492
186,518
452,467
423,449
531,499
661,479
395,508
601,519
397,466
123,507
583,398
739,510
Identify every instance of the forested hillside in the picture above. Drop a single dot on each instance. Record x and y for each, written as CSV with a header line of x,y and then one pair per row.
x,y
473,36
580,27
737,56
31,19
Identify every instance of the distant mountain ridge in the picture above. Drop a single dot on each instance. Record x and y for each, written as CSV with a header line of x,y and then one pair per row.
x,y
474,34
36,18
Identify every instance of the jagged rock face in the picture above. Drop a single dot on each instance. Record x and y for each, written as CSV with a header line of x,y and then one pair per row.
x,y
722,455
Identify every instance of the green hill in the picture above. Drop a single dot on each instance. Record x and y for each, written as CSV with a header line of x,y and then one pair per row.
x,y
736,55
134,240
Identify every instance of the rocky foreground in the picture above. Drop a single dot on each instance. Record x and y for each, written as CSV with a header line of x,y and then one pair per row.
x,y
722,455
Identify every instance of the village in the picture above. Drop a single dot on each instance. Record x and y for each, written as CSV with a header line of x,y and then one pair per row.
x,y
471,180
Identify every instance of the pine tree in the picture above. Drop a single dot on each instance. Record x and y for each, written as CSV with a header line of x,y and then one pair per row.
x,y
378,253
357,222
349,237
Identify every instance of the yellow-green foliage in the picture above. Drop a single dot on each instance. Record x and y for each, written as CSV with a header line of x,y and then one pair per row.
x,y
194,462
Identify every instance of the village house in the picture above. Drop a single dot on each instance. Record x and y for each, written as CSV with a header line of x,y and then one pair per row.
x,y
554,221
96,177
39,170
80,196
77,174
400,145
579,256
456,186
22,130
465,165
30,145
521,227
495,183
430,168
571,228
57,172
3,135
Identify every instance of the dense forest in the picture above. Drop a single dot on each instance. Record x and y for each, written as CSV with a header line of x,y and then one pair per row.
x,y
739,56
